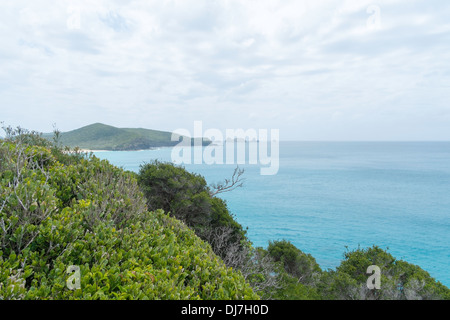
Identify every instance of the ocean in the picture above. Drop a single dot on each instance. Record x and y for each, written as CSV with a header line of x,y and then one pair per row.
x,y
330,197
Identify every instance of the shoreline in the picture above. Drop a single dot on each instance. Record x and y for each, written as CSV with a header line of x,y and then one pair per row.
x,y
139,150
88,150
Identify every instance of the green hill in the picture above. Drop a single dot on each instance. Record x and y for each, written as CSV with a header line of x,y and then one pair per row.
x,y
99,136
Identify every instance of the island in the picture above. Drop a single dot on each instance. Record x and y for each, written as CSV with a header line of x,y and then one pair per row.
x,y
99,136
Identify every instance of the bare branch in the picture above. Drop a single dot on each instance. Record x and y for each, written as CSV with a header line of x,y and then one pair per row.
x,y
3,204
228,185
258,269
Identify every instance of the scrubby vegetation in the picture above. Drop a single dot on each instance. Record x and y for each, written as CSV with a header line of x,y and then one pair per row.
x,y
400,280
161,233
281,271
59,209
187,197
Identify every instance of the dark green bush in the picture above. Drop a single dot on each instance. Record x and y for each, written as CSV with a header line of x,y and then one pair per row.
x,y
296,263
399,280
187,197
85,212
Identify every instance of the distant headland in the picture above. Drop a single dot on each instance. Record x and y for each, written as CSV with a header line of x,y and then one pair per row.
x,y
99,136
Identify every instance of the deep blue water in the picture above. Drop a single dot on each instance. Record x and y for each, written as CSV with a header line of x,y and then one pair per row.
x,y
329,195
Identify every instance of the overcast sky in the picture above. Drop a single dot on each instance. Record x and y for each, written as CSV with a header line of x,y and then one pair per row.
x,y
315,70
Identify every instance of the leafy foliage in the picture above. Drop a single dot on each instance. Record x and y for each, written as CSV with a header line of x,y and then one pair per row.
x,y
281,271
296,263
299,272
187,197
60,208
400,280
139,236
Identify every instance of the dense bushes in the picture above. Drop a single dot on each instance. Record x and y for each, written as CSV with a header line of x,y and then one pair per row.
x,y
400,280
296,263
60,209
302,278
299,272
281,271
187,197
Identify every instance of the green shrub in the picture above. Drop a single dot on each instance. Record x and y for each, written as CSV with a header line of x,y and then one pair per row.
x,y
187,197
399,280
85,212
296,263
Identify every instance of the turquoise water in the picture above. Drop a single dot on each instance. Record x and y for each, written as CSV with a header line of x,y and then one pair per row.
x,y
329,195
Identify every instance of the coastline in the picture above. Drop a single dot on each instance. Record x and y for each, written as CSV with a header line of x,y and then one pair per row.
x,y
138,150
88,150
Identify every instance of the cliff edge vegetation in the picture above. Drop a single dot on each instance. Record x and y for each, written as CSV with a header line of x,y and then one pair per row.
x,y
64,210
73,226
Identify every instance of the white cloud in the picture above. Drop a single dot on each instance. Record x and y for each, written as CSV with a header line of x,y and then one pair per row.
x,y
313,69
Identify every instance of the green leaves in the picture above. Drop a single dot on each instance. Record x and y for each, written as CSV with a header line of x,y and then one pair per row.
x,y
90,214
296,263
399,280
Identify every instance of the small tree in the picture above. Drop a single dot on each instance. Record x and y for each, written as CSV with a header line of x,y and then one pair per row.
x,y
400,280
296,263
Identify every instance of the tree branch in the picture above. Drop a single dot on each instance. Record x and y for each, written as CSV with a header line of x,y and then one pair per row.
x,y
228,185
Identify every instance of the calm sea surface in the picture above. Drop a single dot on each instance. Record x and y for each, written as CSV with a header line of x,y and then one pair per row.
x,y
329,195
